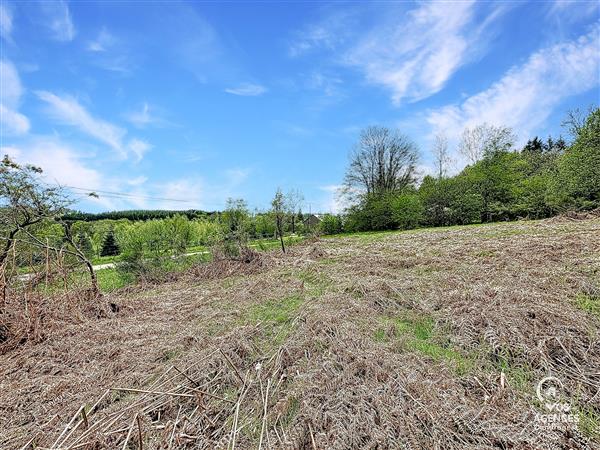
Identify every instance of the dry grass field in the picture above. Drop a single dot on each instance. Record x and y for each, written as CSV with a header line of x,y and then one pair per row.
x,y
432,339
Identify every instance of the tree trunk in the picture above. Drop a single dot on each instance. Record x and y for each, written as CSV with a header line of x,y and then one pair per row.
x,y
93,278
7,246
280,232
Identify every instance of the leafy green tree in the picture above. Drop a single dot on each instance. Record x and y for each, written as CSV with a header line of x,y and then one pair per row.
x,y
497,178
24,201
331,224
373,212
578,180
435,200
236,226
407,210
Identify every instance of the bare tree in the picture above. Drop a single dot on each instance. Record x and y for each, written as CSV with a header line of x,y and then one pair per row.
x,y
382,161
485,139
278,210
294,199
575,120
440,154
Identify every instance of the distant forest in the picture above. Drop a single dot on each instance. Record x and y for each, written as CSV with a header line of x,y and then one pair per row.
x,y
137,214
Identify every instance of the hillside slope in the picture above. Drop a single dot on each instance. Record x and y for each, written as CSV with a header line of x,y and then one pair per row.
x,y
425,339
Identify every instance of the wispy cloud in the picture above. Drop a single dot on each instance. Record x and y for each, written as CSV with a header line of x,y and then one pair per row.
x,y
61,163
326,34
6,22
412,53
103,42
68,111
572,10
137,180
138,148
111,53
146,116
58,20
326,83
11,121
415,56
527,94
185,189
247,90
237,175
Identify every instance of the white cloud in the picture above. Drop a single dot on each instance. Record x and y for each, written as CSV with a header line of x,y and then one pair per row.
x,y
61,165
237,176
11,121
69,111
183,189
6,22
415,56
527,94
412,53
247,90
138,148
137,180
145,117
58,20
11,91
327,34
333,202
103,42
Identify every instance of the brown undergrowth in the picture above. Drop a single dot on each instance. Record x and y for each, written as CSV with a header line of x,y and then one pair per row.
x,y
426,339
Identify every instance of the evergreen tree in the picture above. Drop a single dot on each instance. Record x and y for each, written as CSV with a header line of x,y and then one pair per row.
x,y
110,246
84,243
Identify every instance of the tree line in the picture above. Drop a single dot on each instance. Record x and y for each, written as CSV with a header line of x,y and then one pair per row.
x,y
500,182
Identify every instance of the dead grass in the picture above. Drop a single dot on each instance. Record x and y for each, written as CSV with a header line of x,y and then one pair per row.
x,y
428,339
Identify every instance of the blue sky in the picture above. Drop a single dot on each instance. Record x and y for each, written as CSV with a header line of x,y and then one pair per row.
x,y
203,101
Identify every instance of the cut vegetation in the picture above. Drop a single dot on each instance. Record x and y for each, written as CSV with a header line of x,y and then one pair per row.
x,y
434,338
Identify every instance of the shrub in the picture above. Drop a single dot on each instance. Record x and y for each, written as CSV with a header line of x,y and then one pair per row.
x,y
235,225
407,211
331,224
149,248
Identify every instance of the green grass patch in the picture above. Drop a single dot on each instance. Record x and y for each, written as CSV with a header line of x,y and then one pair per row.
x,y
276,320
275,312
105,259
589,423
588,303
419,334
112,279
315,283
519,376
291,411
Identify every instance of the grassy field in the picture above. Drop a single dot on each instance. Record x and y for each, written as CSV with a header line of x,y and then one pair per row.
x,y
433,338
